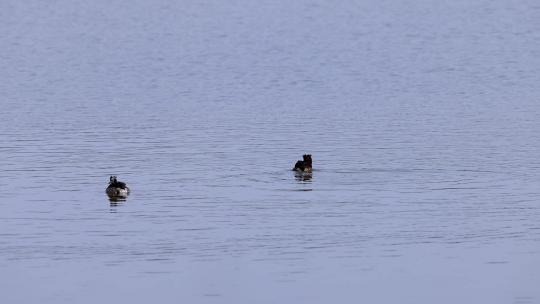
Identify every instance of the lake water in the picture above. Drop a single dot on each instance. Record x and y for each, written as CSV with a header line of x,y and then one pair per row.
x,y
422,118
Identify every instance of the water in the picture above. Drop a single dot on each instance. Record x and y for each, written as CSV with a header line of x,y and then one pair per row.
x,y
422,118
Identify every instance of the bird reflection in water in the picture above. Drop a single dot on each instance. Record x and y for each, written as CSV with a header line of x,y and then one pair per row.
x,y
116,201
303,176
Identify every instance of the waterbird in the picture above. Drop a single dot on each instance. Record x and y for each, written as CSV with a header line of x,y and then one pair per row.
x,y
304,165
116,189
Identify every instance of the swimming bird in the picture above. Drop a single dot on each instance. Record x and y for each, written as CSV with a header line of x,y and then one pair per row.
x,y
305,165
117,189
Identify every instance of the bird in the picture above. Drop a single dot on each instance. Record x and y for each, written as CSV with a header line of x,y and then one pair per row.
x,y
304,165
116,189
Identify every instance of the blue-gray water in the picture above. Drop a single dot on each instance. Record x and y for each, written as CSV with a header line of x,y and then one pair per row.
x,y
422,118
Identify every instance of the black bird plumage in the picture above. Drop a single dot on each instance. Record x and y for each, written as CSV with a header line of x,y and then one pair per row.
x,y
304,165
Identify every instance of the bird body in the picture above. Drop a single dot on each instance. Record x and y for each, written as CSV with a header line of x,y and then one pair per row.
x,y
117,189
304,165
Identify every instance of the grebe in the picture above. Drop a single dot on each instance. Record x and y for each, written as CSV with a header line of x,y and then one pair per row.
x,y
117,189
305,165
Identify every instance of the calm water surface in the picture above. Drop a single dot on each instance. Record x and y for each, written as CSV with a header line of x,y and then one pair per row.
x,y
422,118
